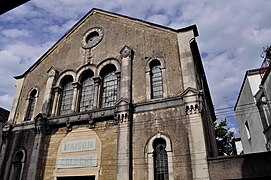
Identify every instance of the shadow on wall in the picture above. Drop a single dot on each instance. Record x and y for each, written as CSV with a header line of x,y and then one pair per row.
x,y
249,166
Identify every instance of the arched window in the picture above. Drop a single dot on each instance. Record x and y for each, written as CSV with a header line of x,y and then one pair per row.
x,y
159,156
31,105
109,87
160,159
87,92
67,96
156,80
17,165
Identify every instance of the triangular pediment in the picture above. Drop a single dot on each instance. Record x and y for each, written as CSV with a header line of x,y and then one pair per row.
x,y
104,15
122,101
190,92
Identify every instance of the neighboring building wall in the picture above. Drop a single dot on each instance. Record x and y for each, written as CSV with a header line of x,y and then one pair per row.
x,y
247,114
248,166
265,88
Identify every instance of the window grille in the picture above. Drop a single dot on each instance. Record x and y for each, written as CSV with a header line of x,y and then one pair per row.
x,y
160,160
17,166
87,94
109,89
156,82
31,105
66,101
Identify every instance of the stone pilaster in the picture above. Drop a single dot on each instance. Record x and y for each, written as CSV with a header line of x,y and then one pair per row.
x,y
41,128
123,116
19,85
197,146
52,73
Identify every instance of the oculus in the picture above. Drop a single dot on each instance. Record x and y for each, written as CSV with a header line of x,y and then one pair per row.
x,y
92,37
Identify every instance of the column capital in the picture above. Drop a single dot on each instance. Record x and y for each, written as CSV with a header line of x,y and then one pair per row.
x,y
118,73
126,51
57,89
52,72
76,85
97,80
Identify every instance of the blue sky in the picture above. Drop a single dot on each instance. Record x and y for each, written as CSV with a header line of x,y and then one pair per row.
x,y
232,35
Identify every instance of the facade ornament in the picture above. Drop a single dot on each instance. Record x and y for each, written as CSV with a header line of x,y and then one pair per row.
x,y
125,52
121,117
41,124
6,130
68,125
91,121
192,109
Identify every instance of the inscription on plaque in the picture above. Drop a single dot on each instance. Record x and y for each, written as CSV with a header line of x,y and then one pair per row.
x,y
80,145
77,161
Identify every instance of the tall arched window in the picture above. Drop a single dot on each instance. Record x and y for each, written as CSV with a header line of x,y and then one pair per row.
x,y
31,105
109,87
160,159
67,96
17,165
87,92
156,80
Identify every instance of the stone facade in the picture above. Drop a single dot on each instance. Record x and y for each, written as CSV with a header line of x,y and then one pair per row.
x,y
160,105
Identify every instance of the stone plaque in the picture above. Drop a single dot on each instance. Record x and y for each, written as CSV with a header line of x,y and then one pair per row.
x,y
80,145
77,161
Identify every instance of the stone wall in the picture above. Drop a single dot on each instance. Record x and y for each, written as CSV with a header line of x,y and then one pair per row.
x,y
253,166
106,149
171,123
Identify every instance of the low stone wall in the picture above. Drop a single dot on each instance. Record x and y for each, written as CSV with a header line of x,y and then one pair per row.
x,y
255,165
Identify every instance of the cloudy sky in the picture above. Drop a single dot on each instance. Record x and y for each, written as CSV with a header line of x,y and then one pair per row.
x,y
232,35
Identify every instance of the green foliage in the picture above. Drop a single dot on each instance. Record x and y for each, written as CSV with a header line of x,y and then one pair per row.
x,y
224,139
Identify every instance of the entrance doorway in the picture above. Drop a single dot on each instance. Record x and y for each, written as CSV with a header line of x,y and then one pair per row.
x,y
77,178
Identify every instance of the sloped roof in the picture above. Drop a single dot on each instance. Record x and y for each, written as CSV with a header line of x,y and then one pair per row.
x,y
248,73
95,10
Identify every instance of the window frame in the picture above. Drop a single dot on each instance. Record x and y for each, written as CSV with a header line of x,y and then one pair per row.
x,y
150,159
64,82
112,88
31,105
87,76
16,161
148,76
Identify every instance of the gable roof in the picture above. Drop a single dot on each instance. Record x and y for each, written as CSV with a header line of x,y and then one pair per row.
x,y
95,10
248,73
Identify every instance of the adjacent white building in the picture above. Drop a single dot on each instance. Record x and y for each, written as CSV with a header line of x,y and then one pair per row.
x,y
252,109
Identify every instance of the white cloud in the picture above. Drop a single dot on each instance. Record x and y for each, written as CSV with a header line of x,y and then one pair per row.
x,y
15,33
159,19
6,101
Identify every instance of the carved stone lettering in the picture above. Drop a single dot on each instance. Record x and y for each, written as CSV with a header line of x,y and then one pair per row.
x,y
77,161
80,145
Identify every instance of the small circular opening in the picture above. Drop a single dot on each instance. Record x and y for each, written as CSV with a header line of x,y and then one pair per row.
x,y
92,37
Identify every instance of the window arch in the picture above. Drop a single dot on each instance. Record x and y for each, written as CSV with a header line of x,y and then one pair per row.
x,y
160,159
17,165
31,105
86,98
156,79
66,95
109,86
158,152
